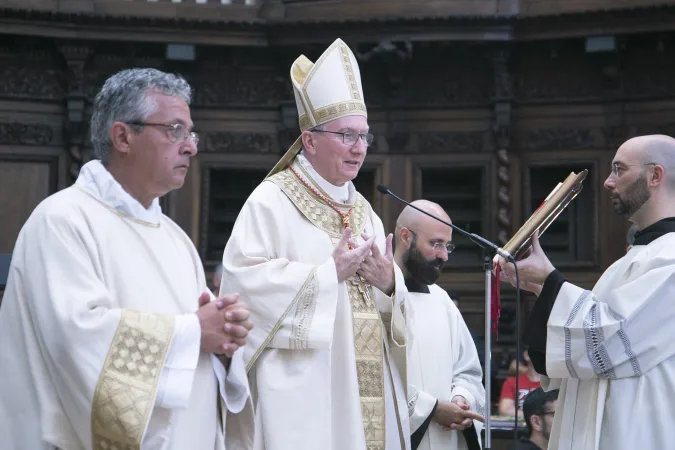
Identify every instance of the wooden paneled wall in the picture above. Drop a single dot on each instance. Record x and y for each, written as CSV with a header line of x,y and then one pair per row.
x,y
501,113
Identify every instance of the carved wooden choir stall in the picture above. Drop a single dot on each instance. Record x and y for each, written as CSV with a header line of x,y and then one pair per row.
x,y
481,106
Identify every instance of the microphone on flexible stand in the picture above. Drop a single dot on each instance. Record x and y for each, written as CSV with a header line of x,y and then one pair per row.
x,y
485,244
478,240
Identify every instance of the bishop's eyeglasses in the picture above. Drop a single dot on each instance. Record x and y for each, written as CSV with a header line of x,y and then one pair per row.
x,y
177,132
350,137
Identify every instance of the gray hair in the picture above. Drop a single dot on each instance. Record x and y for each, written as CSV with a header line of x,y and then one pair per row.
x,y
321,127
124,98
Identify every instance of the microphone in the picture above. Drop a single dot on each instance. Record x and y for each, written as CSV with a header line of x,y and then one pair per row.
x,y
478,240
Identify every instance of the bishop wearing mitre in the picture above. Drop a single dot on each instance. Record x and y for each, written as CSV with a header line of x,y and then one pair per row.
x,y
326,359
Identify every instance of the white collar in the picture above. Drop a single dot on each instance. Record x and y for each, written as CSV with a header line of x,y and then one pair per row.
x,y
95,179
340,194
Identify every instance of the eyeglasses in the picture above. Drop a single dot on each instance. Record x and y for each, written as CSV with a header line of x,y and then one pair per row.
x,y
437,245
350,138
546,413
616,167
177,132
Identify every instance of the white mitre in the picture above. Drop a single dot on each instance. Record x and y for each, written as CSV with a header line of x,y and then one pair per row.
x,y
324,91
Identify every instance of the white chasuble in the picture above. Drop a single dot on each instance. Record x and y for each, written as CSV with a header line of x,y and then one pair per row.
x,y
442,363
99,343
611,351
326,359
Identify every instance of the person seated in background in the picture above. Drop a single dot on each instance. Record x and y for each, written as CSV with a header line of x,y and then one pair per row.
x,y
522,367
539,409
527,382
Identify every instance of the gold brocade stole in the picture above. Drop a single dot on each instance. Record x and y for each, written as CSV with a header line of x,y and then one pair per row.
x,y
367,324
127,386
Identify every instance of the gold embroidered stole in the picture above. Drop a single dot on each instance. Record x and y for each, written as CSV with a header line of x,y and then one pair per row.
x,y
367,325
126,389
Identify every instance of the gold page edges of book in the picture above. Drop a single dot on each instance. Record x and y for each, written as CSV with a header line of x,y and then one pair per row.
x,y
521,243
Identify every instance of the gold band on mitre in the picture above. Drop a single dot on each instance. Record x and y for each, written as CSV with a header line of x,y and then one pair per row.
x,y
324,91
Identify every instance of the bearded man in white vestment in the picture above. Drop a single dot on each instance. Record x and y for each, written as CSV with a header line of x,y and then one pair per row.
x,y
444,373
108,335
310,258
611,350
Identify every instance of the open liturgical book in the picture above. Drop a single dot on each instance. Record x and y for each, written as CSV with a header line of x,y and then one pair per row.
x,y
520,244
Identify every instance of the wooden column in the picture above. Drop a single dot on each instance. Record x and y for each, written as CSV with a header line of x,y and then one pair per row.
x,y
76,122
503,98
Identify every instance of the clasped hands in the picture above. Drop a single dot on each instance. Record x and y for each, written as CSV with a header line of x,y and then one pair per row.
x,y
456,414
224,323
365,260
532,271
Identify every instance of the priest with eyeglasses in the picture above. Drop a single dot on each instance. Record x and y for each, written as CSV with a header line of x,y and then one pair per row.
x,y
109,336
446,393
610,349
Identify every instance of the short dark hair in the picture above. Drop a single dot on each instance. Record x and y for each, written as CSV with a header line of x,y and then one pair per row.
x,y
535,404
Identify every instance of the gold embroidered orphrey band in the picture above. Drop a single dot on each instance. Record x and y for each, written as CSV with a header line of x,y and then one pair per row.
x,y
367,325
126,389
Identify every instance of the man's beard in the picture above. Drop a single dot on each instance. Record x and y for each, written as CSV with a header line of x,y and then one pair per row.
x,y
422,270
632,200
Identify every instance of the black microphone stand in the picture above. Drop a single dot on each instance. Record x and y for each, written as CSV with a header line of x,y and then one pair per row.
x,y
493,250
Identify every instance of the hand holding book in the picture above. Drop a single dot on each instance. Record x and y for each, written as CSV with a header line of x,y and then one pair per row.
x,y
532,271
521,242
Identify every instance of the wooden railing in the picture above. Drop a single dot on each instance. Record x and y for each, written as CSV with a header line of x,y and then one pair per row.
x,y
553,7
208,10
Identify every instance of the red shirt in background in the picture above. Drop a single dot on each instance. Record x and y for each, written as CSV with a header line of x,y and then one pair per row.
x,y
524,387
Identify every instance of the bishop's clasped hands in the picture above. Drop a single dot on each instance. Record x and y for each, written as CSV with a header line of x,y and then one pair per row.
x,y
365,260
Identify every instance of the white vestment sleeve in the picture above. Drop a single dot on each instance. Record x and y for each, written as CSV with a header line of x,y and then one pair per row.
x,y
467,376
175,382
623,334
420,407
391,307
233,383
293,304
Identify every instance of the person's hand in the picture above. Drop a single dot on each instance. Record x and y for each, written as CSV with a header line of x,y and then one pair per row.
x,y
237,323
453,416
378,269
532,271
527,285
224,323
462,403
347,261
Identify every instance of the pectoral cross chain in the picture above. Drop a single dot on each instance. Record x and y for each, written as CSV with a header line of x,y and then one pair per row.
x,y
361,285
